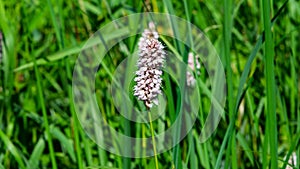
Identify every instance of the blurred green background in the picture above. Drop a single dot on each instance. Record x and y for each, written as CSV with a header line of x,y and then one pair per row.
x,y
257,41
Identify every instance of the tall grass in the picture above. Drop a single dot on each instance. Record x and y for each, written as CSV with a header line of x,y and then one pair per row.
x,y
45,116
59,32
231,152
271,128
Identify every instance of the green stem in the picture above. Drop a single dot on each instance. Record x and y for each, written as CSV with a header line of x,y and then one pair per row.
x,y
153,141
41,98
75,120
227,41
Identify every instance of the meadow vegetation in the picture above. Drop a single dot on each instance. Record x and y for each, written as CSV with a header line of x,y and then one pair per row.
x,y
257,41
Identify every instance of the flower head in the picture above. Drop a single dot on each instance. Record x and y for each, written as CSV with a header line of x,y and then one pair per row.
x,y
150,62
191,63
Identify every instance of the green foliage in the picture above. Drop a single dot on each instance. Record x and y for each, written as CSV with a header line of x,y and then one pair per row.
x,y
258,43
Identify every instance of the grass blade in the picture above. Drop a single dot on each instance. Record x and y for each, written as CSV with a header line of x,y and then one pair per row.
x,y
227,42
45,117
12,149
65,142
270,80
36,154
246,147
